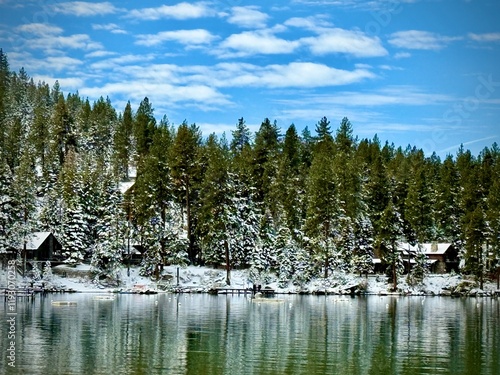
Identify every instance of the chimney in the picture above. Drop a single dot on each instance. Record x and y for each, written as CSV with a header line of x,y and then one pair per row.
x,y
434,247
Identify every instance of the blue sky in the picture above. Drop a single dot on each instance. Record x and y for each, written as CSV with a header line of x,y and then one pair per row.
x,y
419,72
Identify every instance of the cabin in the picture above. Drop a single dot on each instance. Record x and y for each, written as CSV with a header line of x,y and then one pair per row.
x,y
41,246
442,257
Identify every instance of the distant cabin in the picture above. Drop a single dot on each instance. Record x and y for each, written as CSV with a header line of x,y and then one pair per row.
x,y
441,257
41,246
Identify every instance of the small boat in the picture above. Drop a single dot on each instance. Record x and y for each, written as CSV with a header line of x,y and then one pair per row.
x,y
259,298
63,303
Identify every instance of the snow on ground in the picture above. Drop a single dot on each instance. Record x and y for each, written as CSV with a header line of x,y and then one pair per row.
x,y
203,279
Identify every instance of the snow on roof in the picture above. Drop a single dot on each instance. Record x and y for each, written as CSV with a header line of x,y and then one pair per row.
x,y
124,186
36,239
428,248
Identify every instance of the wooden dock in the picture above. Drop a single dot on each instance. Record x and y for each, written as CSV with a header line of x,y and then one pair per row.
x,y
238,291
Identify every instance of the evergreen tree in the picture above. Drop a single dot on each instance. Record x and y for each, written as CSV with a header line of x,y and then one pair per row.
x,y
144,128
364,244
123,142
7,210
391,231
107,255
323,206
289,188
4,88
419,270
492,217
474,257
446,208
185,167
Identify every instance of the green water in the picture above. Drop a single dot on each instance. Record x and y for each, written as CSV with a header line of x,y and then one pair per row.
x,y
204,334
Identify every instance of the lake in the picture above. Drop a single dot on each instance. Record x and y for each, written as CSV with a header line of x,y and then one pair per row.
x,y
205,334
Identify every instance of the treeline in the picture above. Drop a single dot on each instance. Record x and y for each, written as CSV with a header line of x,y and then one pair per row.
x,y
299,204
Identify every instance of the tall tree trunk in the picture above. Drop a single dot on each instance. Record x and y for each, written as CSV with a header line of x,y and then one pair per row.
x,y
228,267
188,217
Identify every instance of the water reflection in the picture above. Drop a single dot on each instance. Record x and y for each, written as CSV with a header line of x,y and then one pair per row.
x,y
203,334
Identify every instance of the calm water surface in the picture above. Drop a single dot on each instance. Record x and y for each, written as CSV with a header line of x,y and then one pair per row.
x,y
204,334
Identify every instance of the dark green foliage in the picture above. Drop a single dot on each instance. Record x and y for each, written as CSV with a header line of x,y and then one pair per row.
x,y
298,204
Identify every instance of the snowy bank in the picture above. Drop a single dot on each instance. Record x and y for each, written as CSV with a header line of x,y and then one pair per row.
x,y
193,279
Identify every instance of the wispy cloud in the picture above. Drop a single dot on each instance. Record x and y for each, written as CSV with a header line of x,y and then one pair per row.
x,y
111,27
181,11
349,42
84,9
261,42
328,41
420,40
485,38
186,37
248,16
41,29
468,143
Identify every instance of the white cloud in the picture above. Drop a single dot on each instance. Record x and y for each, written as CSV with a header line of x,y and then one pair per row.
x,y
181,11
84,9
255,42
76,41
50,63
187,37
248,17
389,96
111,27
74,83
488,37
40,29
292,75
120,61
402,55
420,40
100,53
337,40
314,23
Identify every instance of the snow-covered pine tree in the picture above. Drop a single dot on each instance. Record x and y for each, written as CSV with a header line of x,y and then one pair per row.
x,y
35,272
420,269
322,202
47,271
107,254
391,231
263,256
363,245
7,209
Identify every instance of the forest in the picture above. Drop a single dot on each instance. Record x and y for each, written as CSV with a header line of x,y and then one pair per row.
x,y
299,204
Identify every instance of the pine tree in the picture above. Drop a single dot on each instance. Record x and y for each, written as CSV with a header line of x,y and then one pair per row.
x,y
289,187
265,154
420,269
446,208
24,193
107,253
144,128
4,88
474,257
492,217
323,206
364,244
123,142
185,167
7,210
391,231
47,271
